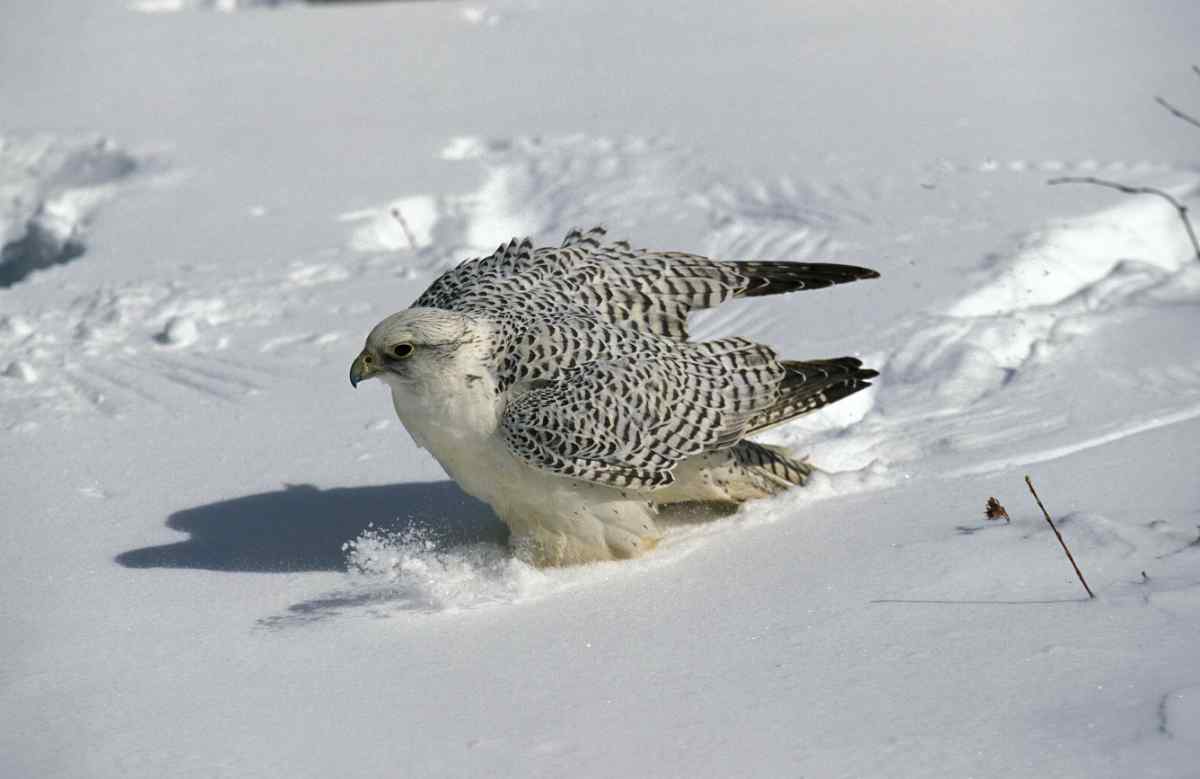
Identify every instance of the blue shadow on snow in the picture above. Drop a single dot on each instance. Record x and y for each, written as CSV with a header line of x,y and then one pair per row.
x,y
303,528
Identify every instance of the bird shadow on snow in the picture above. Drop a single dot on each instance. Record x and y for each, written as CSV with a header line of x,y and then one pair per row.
x,y
416,547
303,528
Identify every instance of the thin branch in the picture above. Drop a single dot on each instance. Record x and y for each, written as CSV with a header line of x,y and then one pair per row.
x,y
1060,539
1179,207
408,234
1177,112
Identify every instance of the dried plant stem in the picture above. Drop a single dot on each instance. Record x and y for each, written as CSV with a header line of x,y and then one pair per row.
x,y
1179,207
1046,514
1177,112
408,234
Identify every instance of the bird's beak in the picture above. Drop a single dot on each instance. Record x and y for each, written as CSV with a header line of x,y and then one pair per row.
x,y
360,369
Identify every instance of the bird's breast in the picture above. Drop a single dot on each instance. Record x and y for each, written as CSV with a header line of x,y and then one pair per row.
x,y
458,425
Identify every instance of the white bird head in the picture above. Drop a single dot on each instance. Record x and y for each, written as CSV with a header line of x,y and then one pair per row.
x,y
417,345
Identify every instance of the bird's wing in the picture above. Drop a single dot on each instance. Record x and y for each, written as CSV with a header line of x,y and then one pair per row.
x,y
626,422
638,289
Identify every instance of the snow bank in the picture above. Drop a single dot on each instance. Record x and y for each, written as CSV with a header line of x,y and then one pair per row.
x,y
50,187
1070,279
1094,262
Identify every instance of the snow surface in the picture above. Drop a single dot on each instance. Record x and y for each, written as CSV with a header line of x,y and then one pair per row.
x,y
221,561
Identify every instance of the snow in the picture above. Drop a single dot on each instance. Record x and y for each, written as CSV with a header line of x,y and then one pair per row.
x,y
221,560
49,189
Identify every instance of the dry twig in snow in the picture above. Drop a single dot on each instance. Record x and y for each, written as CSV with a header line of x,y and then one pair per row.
x,y
1070,557
1179,207
1177,112
408,234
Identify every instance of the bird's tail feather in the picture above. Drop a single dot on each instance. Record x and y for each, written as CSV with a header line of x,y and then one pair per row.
x,y
745,471
774,462
811,384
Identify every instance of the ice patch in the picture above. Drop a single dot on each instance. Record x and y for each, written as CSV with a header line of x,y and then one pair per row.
x,y
50,188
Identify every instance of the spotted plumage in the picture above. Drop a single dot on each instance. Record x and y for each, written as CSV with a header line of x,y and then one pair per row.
x,y
567,370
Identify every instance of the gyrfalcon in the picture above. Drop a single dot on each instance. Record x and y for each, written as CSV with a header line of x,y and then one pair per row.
x,y
559,386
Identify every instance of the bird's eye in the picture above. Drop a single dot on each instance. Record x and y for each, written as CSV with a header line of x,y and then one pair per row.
x,y
400,351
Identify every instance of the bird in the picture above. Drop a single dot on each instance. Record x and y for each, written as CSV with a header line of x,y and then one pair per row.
x,y
558,385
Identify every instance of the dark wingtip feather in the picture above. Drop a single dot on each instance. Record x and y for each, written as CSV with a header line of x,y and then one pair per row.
x,y
837,369
578,237
812,384
773,278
